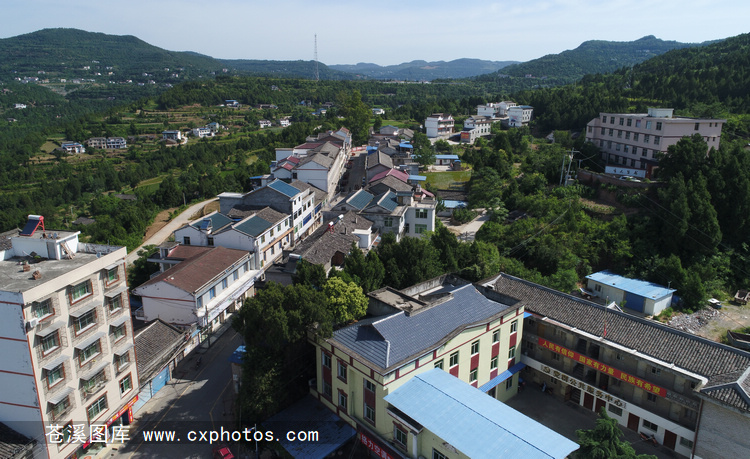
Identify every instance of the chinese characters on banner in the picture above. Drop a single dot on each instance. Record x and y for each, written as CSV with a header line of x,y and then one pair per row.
x,y
374,447
606,369
571,381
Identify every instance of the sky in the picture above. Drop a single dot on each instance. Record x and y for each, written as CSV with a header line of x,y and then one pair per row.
x,y
383,32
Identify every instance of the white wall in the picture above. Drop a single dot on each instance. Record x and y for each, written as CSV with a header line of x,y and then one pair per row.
x,y
168,303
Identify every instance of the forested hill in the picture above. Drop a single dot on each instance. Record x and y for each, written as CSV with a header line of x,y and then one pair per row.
x,y
289,69
710,80
66,53
595,56
423,70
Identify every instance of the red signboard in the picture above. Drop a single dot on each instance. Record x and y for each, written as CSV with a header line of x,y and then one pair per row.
x,y
606,369
374,447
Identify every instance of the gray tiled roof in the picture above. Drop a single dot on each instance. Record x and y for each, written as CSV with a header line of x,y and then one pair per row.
x,y
390,341
154,345
323,244
722,365
318,158
13,444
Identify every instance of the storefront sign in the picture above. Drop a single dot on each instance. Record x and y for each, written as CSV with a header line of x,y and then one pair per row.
x,y
606,369
374,447
598,393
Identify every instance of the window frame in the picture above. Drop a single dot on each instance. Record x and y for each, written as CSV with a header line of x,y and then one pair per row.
x,y
96,403
369,413
512,352
325,359
87,292
452,356
420,228
650,425
514,326
473,375
78,328
108,278
114,300
439,364
82,352
496,336
130,381
494,362
123,328
343,401
54,336
341,371
57,381
475,347
398,432
37,305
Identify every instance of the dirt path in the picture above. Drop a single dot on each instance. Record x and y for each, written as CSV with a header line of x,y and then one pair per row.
x,y
160,222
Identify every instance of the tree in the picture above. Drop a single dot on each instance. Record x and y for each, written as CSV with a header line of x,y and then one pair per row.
x,y
367,272
603,441
141,270
423,151
345,300
309,274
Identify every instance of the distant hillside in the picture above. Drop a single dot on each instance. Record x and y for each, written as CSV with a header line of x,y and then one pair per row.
x,y
423,70
67,53
595,56
299,69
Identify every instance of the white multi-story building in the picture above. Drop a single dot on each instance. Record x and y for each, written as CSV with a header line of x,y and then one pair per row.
x,y
66,347
495,109
519,115
635,140
438,125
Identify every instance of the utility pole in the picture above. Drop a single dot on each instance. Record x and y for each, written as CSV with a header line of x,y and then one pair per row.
x,y
317,74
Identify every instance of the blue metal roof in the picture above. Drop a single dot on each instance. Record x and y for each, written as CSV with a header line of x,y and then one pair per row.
x,y
418,178
635,286
446,156
238,356
217,221
405,145
360,199
473,422
284,188
311,416
385,200
392,340
451,204
254,226
502,376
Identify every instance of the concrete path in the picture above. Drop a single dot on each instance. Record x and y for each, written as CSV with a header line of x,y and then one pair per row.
x,y
164,233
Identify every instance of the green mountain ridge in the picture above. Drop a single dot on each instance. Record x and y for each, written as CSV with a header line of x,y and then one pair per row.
x,y
423,70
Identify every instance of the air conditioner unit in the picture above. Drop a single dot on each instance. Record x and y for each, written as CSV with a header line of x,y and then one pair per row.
x,y
31,324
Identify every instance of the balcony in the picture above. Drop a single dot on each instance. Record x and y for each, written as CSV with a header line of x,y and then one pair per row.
x,y
94,381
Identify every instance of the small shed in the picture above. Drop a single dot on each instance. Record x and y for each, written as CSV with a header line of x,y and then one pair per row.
x,y
638,295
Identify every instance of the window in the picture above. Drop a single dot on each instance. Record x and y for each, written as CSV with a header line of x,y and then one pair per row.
x,y
85,321
326,360
369,413
514,326
421,213
614,409
212,293
454,359
263,239
604,119
342,371
637,123
327,390
604,131
186,240
369,385
55,375
475,347
97,407
644,153
112,275
611,120
627,135
651,397
493,363
119,332
635,136
609,144
648,124
61,407
42,308
611,132
114,303
657,139
419,229
630,122
619,134
125,384
512,352
235,275
224,283
407,228
210,241
555,356
399,435
438,455
650,425
632,163
473,375
626,148
342,400
686,443
439,364
617,146
50,342
656,371
122,361
622,121
200,301
84,355
658,126
509,383
388,222
495,336
646,138
80,291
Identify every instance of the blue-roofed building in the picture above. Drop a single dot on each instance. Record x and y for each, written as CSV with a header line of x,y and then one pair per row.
x,y
444,415
640,296
444,323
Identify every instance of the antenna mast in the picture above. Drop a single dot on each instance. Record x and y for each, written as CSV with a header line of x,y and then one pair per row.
x,y
317,74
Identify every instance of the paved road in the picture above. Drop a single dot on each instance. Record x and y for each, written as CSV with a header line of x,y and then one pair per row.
x,y
195,399
468,231
164,233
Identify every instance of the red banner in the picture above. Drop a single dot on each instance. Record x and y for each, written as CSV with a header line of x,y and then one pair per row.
x,y
374,447
606,369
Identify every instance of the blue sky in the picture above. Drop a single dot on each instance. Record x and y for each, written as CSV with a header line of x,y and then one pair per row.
x,y
382,31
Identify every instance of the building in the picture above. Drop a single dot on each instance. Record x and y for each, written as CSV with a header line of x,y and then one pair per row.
x,y
67,339
72,148
285,122
443,323
264,124
378,111
519,115
476,126
495,109
439,125
203,288
107,143
172,135
637,295
430,406
636,140
688,393
201,132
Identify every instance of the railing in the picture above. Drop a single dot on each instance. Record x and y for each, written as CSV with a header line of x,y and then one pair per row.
x,y
62,340
94,385
59,411
86,247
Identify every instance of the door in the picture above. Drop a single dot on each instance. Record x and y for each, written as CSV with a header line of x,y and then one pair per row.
x,y
634,302
599,405
588,401
160,380
670,438
633,422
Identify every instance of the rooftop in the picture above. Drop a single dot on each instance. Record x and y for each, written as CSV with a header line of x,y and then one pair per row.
x,y
488,427
283,188
724,366
638,287
323,244
154,346
387,342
